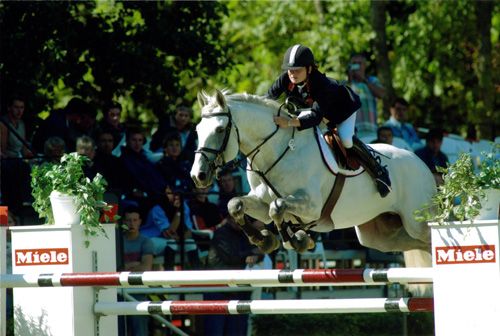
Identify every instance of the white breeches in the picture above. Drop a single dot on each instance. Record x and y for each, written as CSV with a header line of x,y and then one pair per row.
x,y
346,130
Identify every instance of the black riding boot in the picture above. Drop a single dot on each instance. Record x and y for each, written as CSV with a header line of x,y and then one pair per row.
x,y
372,165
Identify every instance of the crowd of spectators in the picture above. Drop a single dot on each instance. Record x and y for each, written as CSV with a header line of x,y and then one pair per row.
x,y
166,217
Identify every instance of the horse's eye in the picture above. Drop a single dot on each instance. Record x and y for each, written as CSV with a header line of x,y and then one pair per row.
x,y
220,129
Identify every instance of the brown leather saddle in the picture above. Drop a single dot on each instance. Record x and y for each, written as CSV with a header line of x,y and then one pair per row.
x,y
343,159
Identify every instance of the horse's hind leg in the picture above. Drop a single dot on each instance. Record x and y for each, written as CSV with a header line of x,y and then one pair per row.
x,y
259,236
387,234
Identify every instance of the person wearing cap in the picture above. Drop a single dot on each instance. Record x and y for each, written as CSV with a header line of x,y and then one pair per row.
x,y
323,97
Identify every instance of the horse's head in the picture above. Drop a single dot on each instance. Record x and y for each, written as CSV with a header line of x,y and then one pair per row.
x,y
217,139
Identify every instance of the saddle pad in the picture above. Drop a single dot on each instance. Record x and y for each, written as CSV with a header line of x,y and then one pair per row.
x,y
329,158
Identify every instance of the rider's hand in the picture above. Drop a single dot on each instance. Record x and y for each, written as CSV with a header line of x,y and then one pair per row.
x,y
281,121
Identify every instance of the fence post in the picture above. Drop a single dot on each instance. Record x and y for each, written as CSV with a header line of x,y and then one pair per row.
x,y
466,278
61,311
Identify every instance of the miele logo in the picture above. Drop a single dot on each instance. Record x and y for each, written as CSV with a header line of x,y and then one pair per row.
x,y
471,254
34,257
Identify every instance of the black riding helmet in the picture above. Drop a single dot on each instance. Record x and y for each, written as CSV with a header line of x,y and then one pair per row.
x,y
297,56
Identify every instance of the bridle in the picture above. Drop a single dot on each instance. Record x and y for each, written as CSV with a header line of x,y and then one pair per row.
x,y
218,161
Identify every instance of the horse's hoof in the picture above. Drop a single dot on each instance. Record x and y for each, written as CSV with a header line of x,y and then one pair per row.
x,y
302,242
269,243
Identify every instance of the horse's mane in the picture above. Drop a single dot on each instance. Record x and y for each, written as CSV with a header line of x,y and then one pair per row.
x,y
253,99
243,97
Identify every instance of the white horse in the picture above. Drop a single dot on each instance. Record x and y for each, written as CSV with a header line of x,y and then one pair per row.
x,y
290,182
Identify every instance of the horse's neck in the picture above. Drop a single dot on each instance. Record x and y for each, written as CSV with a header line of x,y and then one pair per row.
x,y
254,127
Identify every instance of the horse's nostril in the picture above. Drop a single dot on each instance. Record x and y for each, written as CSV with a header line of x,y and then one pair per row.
x,y
202,176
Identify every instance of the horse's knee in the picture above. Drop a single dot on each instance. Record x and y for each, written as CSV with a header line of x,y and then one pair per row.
x,y
236,207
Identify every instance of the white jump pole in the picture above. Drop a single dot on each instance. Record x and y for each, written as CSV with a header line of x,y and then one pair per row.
x,y
229,278
466,278
322,306
61,311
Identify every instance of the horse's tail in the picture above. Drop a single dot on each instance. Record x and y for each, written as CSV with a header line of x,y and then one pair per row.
x,y
419,258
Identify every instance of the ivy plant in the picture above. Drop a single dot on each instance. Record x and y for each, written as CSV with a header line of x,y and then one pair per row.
x,y
68,177
460,195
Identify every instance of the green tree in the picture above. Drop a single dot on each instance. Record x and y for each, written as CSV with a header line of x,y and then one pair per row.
x,y
147,53
440,55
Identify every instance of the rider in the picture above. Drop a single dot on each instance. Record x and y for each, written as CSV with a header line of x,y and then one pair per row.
x,y
324,98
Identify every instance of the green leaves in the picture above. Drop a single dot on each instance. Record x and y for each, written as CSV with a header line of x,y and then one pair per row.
x,y
460,196
68,178
104,50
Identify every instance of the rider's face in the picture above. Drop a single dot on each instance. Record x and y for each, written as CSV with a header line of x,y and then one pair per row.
x,y
297,75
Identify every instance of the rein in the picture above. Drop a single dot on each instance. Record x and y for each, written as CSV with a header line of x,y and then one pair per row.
x,y
255,151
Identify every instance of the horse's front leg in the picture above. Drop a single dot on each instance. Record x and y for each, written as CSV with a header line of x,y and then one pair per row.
x,y
297,208
257,234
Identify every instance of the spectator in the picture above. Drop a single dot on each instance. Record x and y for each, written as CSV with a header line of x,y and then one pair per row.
x,y
146,180
169,225
53,149
206,214
432,155
85,146
368,89
206,217
384,135
13,131
110,166
227,190
173,168
180,122
110,123
15,172
229,249
77,119
400,128
137,257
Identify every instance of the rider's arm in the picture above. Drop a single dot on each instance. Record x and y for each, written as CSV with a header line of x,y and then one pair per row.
x,y
309,117
278,87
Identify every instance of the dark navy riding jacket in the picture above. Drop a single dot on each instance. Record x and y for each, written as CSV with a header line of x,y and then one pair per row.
x,y
325,97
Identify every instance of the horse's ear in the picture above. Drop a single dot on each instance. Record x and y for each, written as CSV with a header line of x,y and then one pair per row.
x,y
219,97
202,100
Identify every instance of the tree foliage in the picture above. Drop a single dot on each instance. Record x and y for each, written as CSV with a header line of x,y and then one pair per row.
x,y
149,53
433,49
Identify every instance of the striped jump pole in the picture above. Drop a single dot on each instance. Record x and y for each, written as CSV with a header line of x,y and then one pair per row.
x,y
324,306
231,278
